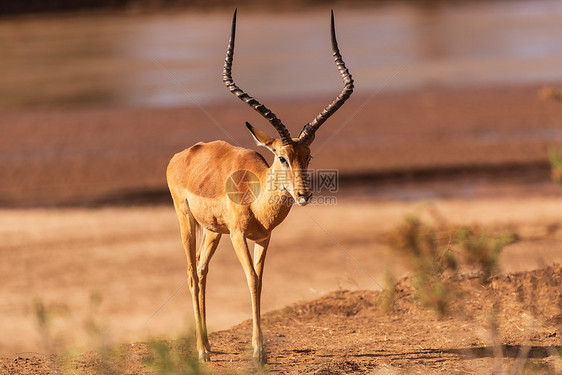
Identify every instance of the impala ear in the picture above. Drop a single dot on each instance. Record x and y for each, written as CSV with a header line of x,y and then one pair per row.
x,y
261,138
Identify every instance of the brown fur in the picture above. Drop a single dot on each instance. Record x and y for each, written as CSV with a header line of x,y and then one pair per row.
x,y
192,168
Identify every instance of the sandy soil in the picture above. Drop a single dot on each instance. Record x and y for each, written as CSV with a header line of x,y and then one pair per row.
x,y
348,332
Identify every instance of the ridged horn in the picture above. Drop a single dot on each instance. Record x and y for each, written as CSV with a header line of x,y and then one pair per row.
x,y
307,133
260,108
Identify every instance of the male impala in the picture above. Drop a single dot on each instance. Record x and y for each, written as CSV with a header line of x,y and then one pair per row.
x,y
222,189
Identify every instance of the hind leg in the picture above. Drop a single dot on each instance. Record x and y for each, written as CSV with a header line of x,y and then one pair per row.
x,y
188,235
208,247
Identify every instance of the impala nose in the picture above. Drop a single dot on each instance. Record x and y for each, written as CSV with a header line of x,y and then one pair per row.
x,y
303,198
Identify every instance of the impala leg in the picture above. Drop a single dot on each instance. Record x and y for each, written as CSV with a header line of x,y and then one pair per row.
x,y
260,250
207,250
188,234
243,253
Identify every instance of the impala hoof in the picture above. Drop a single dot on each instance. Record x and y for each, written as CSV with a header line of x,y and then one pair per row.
x,y
204,356
260,358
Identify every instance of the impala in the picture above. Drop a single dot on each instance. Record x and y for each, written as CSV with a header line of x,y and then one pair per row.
x,y
221,189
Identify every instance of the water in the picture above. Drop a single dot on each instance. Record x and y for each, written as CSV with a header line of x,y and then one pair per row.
x,y
175,59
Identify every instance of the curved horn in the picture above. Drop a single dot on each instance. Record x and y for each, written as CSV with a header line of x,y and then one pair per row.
x,y
260,108
307,133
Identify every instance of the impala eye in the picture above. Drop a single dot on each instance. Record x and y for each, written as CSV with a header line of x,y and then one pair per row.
x,y
283,160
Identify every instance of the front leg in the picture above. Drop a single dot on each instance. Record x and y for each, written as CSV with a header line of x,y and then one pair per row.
x,y
243,253
260,251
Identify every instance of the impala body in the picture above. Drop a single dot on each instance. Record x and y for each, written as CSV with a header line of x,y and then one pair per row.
x,y
221,189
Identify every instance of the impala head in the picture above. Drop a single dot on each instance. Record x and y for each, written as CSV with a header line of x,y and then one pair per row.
x,y
292,155
290,166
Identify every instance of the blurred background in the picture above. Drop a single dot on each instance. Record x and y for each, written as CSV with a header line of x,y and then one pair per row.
x,y
97,96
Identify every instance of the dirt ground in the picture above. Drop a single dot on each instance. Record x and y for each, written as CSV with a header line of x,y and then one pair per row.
x,y
347,332
477,157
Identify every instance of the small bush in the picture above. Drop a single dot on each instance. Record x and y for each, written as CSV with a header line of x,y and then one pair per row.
x,y
388,295
107,357
555,166
430,252
482,251
165,359
429,261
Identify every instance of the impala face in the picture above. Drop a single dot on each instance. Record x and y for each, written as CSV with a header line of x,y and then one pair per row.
x,y
290,166
291,162
294,162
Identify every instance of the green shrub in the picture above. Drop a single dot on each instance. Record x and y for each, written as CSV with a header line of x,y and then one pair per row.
x,y
433,255
429,260
555,166
481,250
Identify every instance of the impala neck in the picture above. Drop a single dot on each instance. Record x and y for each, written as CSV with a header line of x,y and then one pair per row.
x,y
274,201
